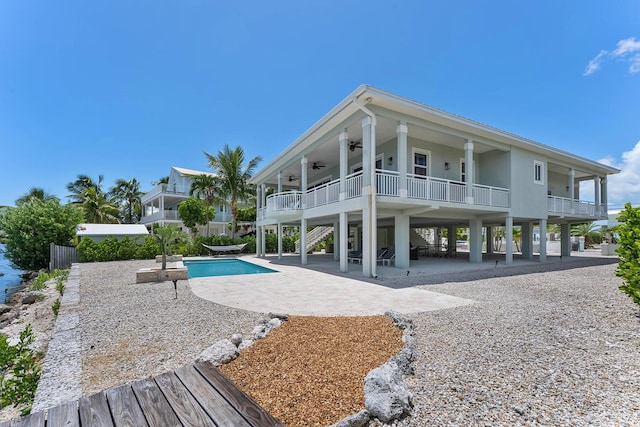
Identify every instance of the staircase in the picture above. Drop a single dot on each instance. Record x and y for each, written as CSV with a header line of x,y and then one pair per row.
x,y
421,237
314,237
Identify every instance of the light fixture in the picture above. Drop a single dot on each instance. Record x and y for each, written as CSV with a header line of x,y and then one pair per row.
x,y
567,188
390,161
446,166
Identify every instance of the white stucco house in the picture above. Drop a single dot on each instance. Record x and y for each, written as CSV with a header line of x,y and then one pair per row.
x,y
378,167
160,205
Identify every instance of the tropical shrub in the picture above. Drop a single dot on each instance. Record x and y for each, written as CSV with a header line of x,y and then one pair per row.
x,y
113,249
629,251
21,372
30,227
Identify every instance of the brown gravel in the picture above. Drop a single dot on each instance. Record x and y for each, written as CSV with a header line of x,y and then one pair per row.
x,y
311,370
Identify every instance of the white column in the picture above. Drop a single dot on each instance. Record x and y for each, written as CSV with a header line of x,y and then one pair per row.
x,y
368,239
303,180
603,195
344,242
527,241
468,162
402,241
543,240
279,240
565,239
336,240
280,182
263,241
572,183
401,158
344,138
259,228
508,224
596,190
303,241
475,241
451,239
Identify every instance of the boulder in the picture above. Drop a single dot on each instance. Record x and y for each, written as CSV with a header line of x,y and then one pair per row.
x,y
280,316
401,322
9,316
385,395
4,308
31,297
221,352
236,339
245,343
405,359
356,420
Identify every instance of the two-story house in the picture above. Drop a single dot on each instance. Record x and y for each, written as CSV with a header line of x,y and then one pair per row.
x,y
378,166
160,205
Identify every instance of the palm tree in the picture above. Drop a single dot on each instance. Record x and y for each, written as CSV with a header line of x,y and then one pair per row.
x,y
166,235
584,229
163,180
83,182
128,194
233,178
205,187
98,208
36,193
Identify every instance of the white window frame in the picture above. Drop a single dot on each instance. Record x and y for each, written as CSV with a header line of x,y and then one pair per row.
x,y
379,158
426,153
538,172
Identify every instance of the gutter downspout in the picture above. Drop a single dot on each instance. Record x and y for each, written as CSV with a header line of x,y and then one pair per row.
x,y
372,197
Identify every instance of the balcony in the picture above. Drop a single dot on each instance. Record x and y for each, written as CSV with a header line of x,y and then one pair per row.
x,y
564,206
165,189
387,184
167,215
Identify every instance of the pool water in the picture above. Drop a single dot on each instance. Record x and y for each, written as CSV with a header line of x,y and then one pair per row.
x,y
223,267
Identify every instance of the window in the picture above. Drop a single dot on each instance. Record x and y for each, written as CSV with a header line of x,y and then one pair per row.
x,y
358,166
538,172
463,171
421,163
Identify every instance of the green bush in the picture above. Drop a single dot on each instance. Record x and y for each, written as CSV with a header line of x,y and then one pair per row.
x,y
629,251
18,387
56,307
32,226
113,249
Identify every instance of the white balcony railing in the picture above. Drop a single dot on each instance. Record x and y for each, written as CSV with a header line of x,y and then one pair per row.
x,y
564,205
387,184
167,215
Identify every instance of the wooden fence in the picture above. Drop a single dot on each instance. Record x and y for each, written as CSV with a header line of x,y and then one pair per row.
x,y
61,257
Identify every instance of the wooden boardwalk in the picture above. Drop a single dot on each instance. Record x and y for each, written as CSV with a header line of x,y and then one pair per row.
x,y
195,395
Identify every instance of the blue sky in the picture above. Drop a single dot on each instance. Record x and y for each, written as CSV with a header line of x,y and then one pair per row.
x,y
128,89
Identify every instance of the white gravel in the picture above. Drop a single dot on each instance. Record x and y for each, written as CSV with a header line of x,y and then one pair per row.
x,y
557,348
131,331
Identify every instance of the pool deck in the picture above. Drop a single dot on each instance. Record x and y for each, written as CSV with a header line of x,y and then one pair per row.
x,y
319,289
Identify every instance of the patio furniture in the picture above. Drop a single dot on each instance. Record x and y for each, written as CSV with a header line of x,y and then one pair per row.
x,y
355,256
388,256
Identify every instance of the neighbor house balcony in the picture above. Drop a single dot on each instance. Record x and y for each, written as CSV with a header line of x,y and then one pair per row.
x,y
565,206
165,189
166,215
387,184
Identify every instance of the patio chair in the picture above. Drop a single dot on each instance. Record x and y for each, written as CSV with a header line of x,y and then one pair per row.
x,y
388,256
355,256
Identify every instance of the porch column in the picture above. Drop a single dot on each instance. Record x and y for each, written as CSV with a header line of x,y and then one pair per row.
x,y
368,230
263,242
475,241
451,239
344,138
401,157
543,240
527,241
603,195
489,240
596,190
303,181
343,241
264,230
402,241
303,241
258,232
508,224
572,183
279,240
336,240
280,182
565,239
468,164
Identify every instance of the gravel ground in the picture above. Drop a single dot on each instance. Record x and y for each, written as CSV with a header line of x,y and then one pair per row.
x,y
551,348
132,331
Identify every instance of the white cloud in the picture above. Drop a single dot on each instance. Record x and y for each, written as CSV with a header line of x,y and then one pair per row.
x,y
627,50
624,186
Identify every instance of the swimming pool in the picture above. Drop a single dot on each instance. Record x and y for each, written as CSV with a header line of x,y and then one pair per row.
x,y
222,267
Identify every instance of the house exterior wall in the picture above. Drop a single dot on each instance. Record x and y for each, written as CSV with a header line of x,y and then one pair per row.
x,y
528,198
495,168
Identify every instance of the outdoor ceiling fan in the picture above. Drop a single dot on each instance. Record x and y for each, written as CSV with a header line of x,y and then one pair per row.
x,y
292,178
354,144
317,165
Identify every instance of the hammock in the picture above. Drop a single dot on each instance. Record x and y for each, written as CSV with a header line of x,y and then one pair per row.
x,y
228,248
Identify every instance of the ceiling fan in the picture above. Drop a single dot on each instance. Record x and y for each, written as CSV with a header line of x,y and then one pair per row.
x,y
292,178
317,165
354,144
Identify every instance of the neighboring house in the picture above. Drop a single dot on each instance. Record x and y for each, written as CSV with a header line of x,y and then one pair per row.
x,y
160,205
99,232
378,167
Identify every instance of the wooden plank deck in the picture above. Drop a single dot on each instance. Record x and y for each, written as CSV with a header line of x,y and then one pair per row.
x,y
195,395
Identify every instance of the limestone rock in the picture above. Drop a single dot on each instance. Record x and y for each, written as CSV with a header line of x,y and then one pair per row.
x,y
4,308
245,343
280,316
400,321
405,359
9,316
221,352
236,339
356,420
274,323
31,297
385,395
259,331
